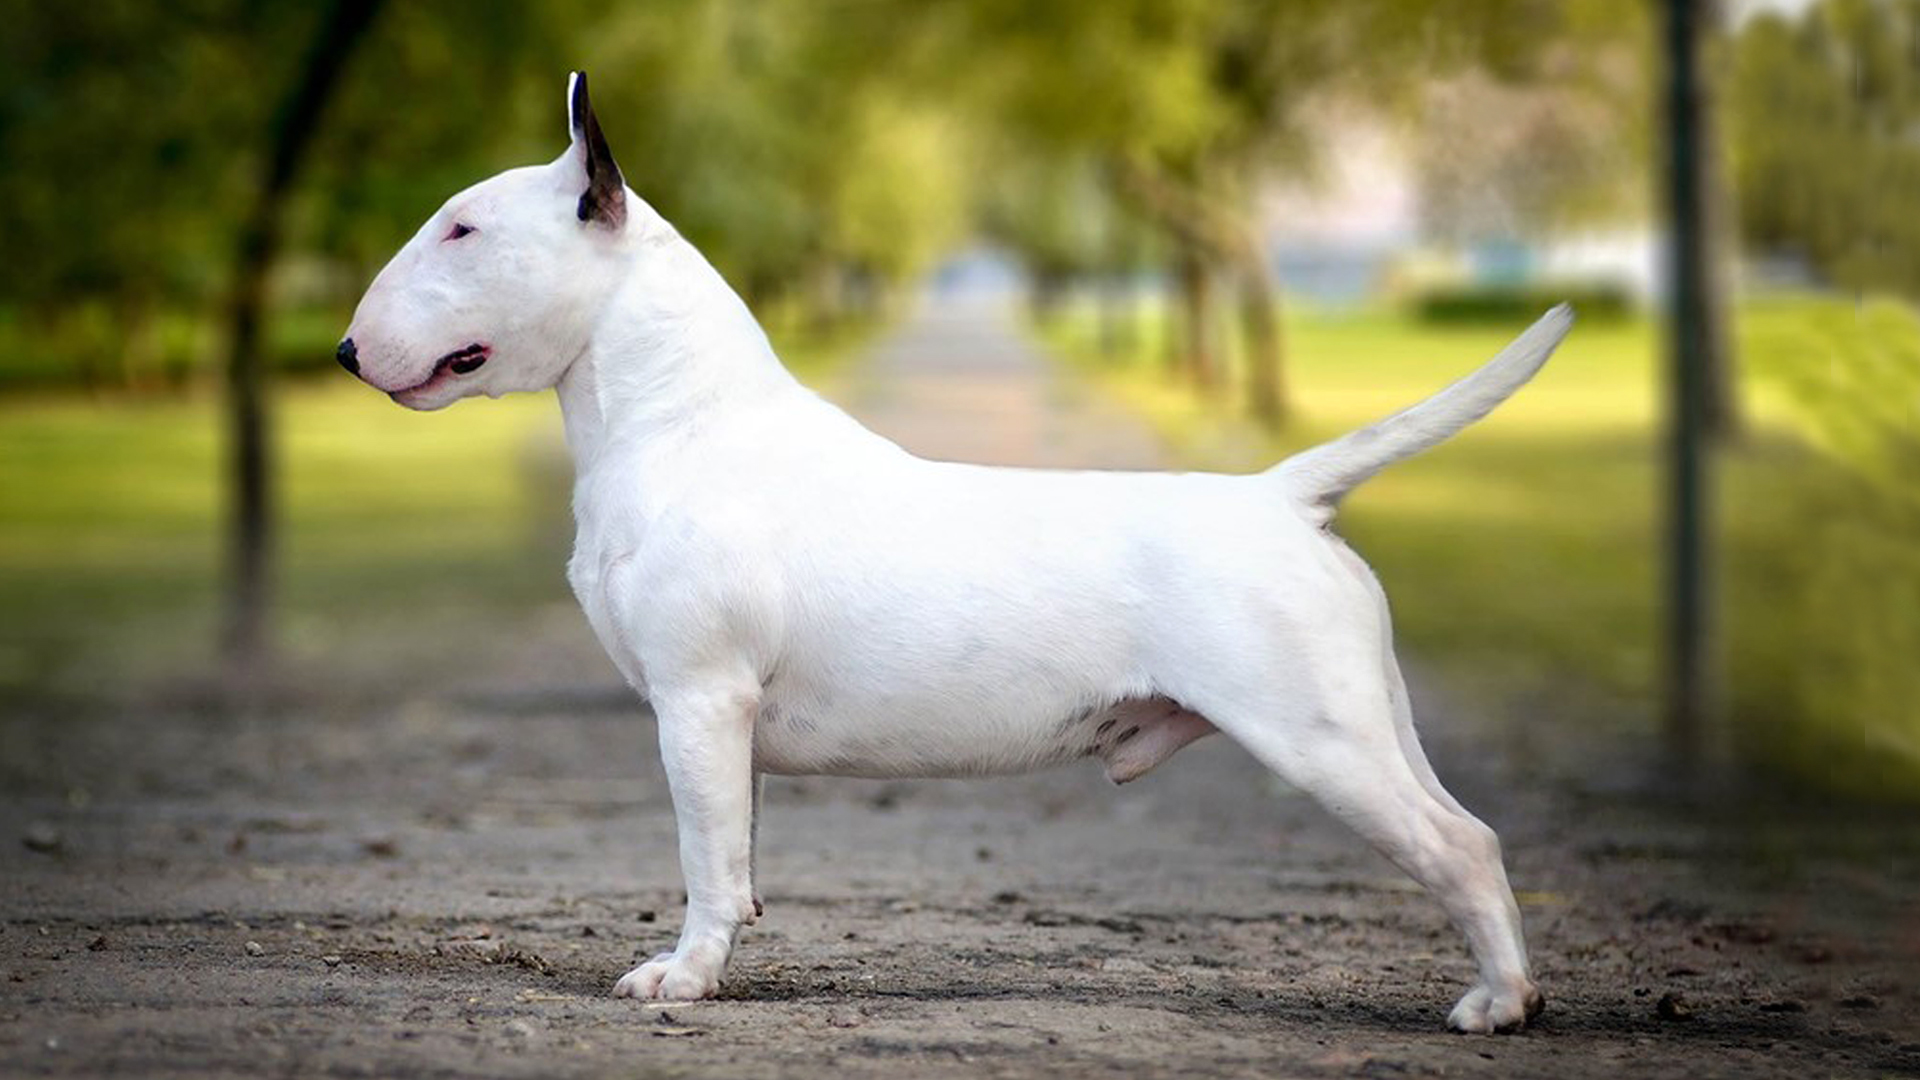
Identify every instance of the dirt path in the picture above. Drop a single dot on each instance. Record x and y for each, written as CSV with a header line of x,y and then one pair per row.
x,y
448,882
958,382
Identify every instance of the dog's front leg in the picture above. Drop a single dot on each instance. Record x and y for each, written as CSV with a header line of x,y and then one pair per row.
x,y
706,742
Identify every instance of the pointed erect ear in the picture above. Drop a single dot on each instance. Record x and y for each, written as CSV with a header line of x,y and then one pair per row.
x,y
604,202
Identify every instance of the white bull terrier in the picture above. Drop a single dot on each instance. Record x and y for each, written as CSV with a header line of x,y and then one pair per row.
x,y
797,595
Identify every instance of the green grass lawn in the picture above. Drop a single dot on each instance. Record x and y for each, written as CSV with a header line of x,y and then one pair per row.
x,y
109,548
110,531
1523,556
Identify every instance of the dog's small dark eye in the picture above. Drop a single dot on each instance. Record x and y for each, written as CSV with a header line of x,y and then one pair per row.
x,y
459,230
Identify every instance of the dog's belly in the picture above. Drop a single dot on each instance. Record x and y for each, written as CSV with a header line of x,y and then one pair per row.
x,y
913,739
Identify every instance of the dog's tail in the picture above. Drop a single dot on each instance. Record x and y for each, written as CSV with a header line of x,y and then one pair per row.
x,y
1321,476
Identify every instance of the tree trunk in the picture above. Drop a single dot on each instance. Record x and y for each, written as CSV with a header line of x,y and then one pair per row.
x,y
1113,314
137,327
1198,361
1127,305
1046,293
1260,327
77,324
249,462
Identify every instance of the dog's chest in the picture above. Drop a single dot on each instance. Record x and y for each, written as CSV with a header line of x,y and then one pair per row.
x,y
596,575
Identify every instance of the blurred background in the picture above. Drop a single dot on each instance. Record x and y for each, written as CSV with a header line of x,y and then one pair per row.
x,y
1252,223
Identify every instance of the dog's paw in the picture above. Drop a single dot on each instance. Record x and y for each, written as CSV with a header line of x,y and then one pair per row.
x,y
674,976
1483,1012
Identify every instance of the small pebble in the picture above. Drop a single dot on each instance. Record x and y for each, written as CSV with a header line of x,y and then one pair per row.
x,y
1672,1006
42,837
254,948
330,960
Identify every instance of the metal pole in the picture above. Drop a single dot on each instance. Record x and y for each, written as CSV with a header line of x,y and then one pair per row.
x,y
1689,689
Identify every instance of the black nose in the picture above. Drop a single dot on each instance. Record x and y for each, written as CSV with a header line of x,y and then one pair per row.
x,y
348,357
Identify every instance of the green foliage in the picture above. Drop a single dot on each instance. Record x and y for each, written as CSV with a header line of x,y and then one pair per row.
x,y
1052,211
819,151
790,140
127,129
115,122
1823,111
785,139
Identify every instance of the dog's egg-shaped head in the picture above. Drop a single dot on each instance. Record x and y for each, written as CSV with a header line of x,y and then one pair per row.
x,y
499,290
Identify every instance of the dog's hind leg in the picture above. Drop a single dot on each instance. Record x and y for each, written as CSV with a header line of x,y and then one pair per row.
x,y
1343,745
1356,769
1476,1012
1417,760
1415,754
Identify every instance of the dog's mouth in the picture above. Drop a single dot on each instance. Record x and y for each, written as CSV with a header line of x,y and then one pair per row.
x,y
462,361
465,361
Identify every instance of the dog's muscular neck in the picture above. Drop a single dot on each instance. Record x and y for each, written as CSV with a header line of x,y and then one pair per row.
x,y
674,348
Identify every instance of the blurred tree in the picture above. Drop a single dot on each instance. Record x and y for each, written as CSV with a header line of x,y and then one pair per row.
x,y
1823,113
446,93
781,136
1048,209
289,134
1190,105
1571,148
785,140
789,140
117,121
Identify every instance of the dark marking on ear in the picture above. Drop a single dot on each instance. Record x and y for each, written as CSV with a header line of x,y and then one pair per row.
x,y
1105,727
1125,735
605,200
1077,718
